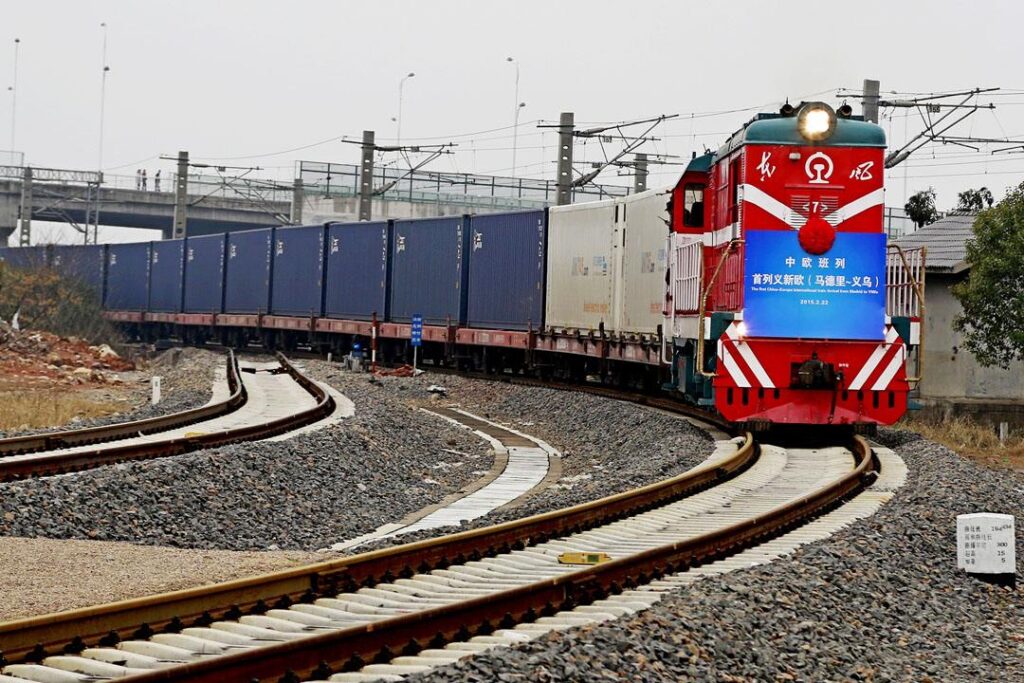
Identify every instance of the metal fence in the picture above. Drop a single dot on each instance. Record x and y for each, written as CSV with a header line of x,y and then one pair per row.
x,y
231,187
431,187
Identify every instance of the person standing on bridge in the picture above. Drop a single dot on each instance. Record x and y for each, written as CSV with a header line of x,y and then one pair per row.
x,y
143,179
156,181
138,179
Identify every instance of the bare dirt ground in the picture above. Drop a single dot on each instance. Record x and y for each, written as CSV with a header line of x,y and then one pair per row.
x,y
46,380
97,572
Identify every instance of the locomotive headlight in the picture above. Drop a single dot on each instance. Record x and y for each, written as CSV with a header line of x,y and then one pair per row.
x,y
816,121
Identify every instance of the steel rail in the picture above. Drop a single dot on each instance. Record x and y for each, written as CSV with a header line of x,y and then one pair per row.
x,y
35,637
321,655
57,463
33,443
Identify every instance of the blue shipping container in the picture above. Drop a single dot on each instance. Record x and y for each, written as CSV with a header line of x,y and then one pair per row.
x,y
298,284
428,270
357,271
166,273
248,268
204,273
507,254
25,257
127,277
84,264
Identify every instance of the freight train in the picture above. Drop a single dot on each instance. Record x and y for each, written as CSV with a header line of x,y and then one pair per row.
x,y
760,286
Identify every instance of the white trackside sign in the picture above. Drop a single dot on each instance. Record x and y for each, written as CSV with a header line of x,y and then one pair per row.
x,y
985,543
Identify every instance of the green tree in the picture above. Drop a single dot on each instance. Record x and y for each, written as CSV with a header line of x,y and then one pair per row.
x,y
921,207
992,296
974,200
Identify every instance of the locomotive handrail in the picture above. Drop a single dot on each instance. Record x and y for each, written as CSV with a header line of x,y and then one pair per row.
x,y
703,307
919,291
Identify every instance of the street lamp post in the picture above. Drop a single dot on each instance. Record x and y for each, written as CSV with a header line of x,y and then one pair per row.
x,y
515,137
515,116
103,95
14,95
401,83
99,162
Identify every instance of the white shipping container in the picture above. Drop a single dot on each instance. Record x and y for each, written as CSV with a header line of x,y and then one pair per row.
x,y
644,218
581,266
606,264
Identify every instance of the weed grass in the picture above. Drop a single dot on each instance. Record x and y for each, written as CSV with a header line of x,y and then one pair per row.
x,y
970,438
48,408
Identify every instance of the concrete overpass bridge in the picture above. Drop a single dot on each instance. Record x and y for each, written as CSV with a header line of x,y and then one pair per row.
x,y
214,204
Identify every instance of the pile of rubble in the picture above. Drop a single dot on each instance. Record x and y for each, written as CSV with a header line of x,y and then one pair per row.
x,y
30,356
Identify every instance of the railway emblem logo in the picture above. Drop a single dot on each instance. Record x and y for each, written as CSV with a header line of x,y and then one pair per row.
x,y
280,247
478,240
401,244
335,245
819,168
233,251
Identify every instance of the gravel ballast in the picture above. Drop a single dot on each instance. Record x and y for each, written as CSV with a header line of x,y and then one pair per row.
x,y
389,460
304,493
606,446
880,601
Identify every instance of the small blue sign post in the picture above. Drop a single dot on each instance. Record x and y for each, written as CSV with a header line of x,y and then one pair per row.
x,y
416,336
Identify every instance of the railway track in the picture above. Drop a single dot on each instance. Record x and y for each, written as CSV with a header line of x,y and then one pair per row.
x,y
346,614
34,443
276,399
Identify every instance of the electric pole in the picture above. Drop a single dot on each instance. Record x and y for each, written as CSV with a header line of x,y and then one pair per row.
x,y
297,198
565,138
25,210
640,177
366,177
181,197
869,104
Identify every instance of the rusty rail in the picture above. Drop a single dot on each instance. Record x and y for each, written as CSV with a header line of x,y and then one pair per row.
x,y
320,656
42,465
33,443
35,637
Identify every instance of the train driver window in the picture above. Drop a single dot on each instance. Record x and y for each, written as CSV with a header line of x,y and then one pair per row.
x,y
693,205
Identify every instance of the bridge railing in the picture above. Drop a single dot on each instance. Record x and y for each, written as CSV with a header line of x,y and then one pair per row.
x,y
252,189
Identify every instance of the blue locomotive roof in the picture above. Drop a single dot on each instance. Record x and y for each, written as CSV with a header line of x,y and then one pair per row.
x,y
776,129
701,164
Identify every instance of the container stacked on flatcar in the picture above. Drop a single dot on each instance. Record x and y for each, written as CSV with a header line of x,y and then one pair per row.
x,y
166,276
204,274
248,265
358,258
428,270
127,286
84,264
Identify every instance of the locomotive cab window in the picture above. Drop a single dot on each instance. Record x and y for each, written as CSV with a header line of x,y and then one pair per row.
x,y
693,205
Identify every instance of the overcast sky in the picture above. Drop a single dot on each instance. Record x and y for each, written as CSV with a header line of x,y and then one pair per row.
x,y
242,82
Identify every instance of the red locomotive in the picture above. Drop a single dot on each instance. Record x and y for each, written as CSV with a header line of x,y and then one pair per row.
x,y
784,303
